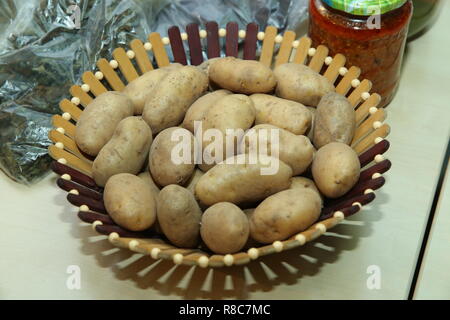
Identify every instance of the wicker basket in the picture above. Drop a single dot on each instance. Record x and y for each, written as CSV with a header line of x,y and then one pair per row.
x,y
75,169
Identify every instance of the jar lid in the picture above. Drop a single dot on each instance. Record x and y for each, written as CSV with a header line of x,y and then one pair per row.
x,y
365,7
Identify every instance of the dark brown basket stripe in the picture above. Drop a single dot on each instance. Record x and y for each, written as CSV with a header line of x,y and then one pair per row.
x,y
176,43
362,199
90,217
379,148
75,175
94,205
69,185
213,44
107,229
195,46
381,168
231,40
250,41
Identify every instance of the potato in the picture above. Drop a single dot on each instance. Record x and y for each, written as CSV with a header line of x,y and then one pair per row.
x,y
224,228
190,185
294,150
141,89
99,119
166,169
310,132
130,202
284,214
335,169
304,183
235,111
146,176
199,108
173,96
238,181
300,83
285,114
242,76
179,216
335,120
126,152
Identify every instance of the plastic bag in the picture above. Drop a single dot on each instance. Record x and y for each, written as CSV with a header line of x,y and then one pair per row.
x,y
45,46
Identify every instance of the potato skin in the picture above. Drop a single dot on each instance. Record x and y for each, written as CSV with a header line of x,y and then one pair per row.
x,y
200,107
334,121
140,89
300,83
126,152
173,96
294,150
179,216
242,76
284,214
231,181
224,228
190,185
163,170
234,111
285,114
130,202
99,119
147,177
335,169
304,183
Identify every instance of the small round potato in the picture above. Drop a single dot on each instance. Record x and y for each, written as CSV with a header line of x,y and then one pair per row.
x,y
200,107
224,228
179,216
141,89
334,121
284,214
240,180
171,159
295,150
335,169
130,202
126,152
300,83
173,96
99,119
285,114
242,76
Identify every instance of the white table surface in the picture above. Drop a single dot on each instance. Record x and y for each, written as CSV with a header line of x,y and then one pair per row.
x,y
434,278
42,236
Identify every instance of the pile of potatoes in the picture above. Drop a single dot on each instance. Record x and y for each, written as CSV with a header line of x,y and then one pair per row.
x,y
223,206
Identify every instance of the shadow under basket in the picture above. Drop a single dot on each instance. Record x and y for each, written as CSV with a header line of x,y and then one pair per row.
x,y
75,169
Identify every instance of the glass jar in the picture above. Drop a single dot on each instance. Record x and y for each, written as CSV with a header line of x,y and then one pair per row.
x,y
373,43
424,15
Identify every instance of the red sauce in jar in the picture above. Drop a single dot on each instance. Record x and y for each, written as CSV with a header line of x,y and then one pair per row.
x,y
378,52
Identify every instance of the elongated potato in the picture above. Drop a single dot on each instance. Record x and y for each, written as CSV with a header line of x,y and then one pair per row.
x,y
335,120
284,214
232,112
239,179
179,216
200,107
335,169
294,150
171,159
224,228
285,114
242,76
126,152
141,89
130,202
304,183
99,119
300,83
173,96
